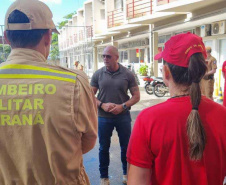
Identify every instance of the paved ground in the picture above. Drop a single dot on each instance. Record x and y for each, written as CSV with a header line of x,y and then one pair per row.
x,y
91,160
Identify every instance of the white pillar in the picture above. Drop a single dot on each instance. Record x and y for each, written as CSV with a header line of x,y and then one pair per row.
x,y
128,54
95,63
151,50
155,51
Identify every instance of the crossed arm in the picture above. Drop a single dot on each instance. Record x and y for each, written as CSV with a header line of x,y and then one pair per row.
x,y
117,108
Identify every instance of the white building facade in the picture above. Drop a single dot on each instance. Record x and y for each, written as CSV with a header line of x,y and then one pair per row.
x,y
139,28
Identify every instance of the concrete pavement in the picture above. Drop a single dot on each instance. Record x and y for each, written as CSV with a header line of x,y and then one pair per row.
x,y
91,160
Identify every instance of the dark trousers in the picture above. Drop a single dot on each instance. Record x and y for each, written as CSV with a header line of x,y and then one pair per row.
x,y
122,123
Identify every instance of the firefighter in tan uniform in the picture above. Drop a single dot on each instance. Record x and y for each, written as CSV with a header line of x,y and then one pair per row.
x,y
207,83
45,123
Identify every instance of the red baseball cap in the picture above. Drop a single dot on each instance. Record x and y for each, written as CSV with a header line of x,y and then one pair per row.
x,y
180,47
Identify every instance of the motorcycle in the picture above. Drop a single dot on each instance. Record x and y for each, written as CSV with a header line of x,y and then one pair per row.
x,y
148,87
159,88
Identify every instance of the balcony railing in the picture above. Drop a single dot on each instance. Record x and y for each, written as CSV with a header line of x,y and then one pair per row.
x,y
68,43
76,36
161,2
75,39
71,40
81,35
138,8
89,32
115,18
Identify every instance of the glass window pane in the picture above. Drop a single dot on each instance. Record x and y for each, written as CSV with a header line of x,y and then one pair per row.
x,y
222,52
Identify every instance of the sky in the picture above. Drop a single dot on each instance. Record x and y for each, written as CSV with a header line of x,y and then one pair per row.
x,y
60,8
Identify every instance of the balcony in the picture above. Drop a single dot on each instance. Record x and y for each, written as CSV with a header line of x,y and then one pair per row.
x,y
75,38
161,2
138,8
184,5
81,35
115,18
71,41
68,43
142,12
89,32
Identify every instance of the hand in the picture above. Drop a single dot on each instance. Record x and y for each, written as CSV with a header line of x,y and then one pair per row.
x,y
107,106
117,109
205,77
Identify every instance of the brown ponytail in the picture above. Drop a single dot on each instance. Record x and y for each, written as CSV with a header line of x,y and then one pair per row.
x,y
195,130
191,77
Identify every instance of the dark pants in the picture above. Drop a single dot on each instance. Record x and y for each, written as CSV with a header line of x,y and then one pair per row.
x,y
122,123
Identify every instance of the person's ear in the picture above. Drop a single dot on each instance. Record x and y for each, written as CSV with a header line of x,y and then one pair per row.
x,y
117,57
48,37
6,38
166,71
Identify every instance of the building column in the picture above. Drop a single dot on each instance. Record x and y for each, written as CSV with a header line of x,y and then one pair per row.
x,y
155,51
151,50
95,55
128,55
146,55
153,44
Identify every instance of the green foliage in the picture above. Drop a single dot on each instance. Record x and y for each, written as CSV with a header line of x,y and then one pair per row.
x,y
143,70
4,53
69,16
55,39
54,53
62,24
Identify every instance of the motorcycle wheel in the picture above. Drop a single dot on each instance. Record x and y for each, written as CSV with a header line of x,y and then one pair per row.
x,y
157,92
148,89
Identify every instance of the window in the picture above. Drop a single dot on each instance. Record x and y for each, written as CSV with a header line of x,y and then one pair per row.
x,y
102,14
222,52
123,56
118,4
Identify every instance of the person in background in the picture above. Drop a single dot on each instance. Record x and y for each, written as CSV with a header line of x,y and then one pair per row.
x,y
207,83
113,82
224,74
78,66
182,140
45,123
133,71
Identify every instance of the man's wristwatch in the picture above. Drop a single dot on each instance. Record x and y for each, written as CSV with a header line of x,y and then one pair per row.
x,y
124,106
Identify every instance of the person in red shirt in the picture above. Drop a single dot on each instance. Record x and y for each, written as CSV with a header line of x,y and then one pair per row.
x,y
224,72
183,140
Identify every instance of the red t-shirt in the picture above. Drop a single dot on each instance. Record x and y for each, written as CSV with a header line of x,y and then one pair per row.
x,y
224,71
224,67
159,141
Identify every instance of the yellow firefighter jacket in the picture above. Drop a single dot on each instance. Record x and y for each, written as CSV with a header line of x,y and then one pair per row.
x,y
48,119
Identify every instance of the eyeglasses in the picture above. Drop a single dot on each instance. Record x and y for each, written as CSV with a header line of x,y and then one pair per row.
x,y
106,56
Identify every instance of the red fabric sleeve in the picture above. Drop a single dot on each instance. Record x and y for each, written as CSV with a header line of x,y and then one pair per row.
x,y
139,152
224,67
